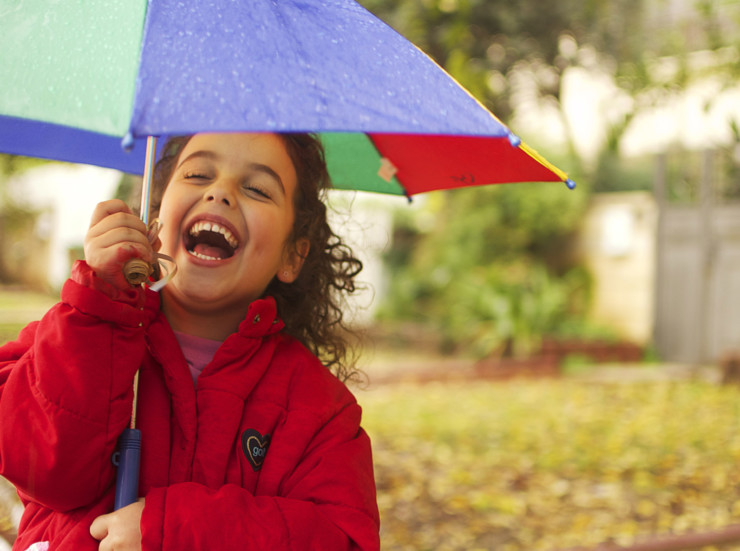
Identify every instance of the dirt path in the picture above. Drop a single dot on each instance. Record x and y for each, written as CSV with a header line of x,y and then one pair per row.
x,y
408,366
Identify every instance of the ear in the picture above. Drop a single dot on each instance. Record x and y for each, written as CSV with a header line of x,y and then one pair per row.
x,y
293,260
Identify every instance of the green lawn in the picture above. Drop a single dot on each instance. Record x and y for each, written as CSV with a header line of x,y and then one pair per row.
x,y
14,299
18,307
552,465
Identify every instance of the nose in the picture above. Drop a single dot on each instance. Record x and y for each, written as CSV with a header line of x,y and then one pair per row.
x,y
219,192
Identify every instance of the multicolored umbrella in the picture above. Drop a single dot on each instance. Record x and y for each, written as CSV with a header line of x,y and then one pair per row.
x,y
81,77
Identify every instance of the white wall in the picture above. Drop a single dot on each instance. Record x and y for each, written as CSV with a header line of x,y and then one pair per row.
x,y
617,243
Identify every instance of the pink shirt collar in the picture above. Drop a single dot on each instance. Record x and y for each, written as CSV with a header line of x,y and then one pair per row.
x,y
198,352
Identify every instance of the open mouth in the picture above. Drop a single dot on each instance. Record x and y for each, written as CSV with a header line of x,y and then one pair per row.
x,y
210,241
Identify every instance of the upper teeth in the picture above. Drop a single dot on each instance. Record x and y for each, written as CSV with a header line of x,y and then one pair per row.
x,y
210,226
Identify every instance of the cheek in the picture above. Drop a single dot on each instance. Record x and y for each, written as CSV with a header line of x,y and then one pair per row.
x,y
170,217
174,205
169,240
272,232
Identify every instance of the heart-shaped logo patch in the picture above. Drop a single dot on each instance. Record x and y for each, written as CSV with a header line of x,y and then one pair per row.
x,y
255,447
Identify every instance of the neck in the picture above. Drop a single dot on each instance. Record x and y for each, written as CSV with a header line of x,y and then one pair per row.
x,y
214,325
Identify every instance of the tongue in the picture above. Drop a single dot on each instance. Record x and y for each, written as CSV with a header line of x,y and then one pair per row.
x,y
210,250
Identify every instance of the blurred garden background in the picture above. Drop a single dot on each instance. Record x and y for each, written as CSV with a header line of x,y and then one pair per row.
x,y
544,369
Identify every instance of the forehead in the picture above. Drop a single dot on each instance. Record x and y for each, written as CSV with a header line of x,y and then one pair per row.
x,y
239,151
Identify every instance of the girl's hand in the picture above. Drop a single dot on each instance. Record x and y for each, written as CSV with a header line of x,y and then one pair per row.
x,y
116,235
119,530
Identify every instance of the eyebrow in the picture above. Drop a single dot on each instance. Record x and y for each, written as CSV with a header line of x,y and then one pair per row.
x,y
210,155
213,156
265,169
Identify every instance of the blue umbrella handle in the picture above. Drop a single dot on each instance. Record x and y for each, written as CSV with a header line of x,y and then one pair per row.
x,y
127,460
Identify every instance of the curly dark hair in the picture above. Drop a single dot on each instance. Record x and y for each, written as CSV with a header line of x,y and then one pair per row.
x,y
312,307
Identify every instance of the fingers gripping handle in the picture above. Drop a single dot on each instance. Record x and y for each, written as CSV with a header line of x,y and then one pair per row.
x,y
161,270
137,271
127,460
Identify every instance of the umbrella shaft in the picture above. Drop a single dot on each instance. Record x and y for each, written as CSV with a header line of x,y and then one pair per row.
x,y
137,271
146,184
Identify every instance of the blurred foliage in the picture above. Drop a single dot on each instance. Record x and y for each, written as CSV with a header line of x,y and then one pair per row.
x,y
612,174
15,164
684,171
12,213
481,42
15,218
10,507
492,280
552,465
727,173
493,272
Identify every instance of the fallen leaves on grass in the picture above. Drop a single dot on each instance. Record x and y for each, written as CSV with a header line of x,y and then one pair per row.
x,y
547,465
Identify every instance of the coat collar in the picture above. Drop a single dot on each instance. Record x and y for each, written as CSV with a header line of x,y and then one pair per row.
x,y
262,319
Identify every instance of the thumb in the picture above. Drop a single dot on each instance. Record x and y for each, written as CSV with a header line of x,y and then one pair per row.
x,y
99,527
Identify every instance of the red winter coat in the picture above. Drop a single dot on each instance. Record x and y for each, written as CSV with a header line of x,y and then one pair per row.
x,y
66,395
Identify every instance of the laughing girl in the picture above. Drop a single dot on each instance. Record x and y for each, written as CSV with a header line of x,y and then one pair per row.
x,y
250,439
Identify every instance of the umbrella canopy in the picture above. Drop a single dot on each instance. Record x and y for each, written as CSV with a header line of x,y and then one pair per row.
x,y
81,77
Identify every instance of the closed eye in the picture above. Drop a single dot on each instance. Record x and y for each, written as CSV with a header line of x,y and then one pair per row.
x,y
195,176
257,190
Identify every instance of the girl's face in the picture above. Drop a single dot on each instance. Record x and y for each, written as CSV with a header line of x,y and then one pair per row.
x,y
227,215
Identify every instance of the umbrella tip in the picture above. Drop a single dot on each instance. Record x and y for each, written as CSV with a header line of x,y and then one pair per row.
x,y
128,142
570,183
514,140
